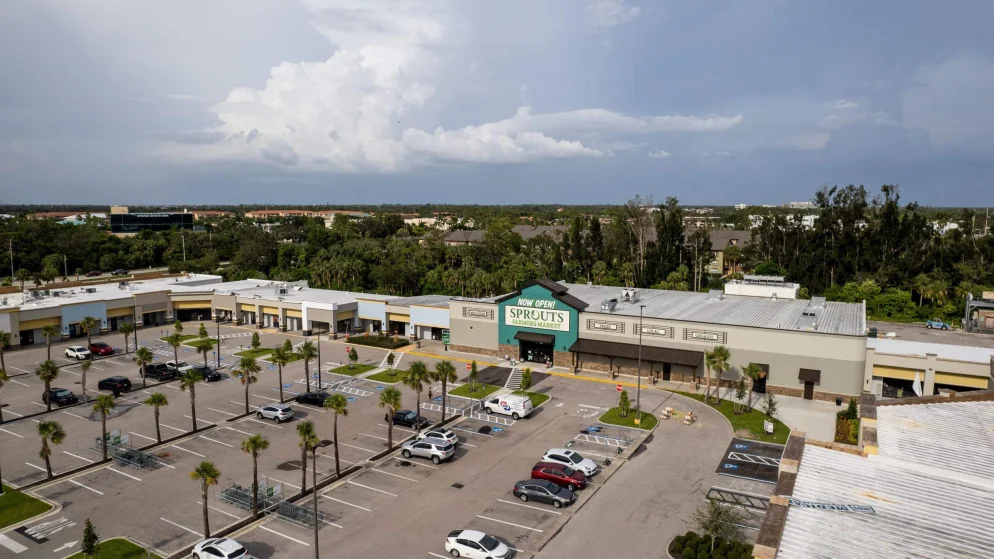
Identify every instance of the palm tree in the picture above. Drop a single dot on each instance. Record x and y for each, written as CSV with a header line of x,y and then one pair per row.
x,y
50,432
248,372
754,372
308,440
126,328
174,340
415,379
338,406
47,372
204,346
156,400
3,378
4,341
445,373
920,284
178,327
280,357
391,399
307,352
254,445
88,324
84,367
144,358
103,406
207,474
49,331
189,381
717,362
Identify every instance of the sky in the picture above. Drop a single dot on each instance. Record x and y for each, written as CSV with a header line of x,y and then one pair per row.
x,y
513,102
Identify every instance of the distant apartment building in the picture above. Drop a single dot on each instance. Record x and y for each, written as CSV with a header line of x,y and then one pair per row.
x,y
72,216
799,205
282,213
200,215
467,237
741,206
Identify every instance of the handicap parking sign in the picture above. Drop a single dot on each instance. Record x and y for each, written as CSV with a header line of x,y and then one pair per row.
x,y
594,429
437,398
730,466
741,446
287,385
497,429
379,388
350,399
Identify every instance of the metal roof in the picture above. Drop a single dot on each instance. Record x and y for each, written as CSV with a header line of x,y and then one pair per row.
x,y
931,487
441,301
911,348
733,310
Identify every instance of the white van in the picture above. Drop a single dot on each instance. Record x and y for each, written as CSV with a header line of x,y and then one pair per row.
x,y
509,404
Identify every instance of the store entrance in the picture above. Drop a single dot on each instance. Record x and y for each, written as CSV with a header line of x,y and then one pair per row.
x,y
535,352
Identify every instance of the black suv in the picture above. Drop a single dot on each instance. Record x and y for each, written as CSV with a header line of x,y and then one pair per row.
x,y
159,371
208,373
119,272
115,384
59,396
408,418
313,398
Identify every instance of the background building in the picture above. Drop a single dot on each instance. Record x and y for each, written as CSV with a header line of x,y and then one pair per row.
x,y
137,222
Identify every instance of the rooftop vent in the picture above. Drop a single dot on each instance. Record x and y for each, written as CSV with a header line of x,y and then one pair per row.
x,y
715,294
629,295
57,293
91,289
608,305
298,288
818,302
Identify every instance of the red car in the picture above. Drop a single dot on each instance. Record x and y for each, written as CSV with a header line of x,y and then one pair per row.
x,y
93,273
100,348
560,474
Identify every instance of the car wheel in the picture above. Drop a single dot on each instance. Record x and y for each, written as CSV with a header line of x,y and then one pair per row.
x,y
557,504
928,326
406,453
258,415
454,553
488,410
523,497
276,419
515,416
571,487
195,556
435,460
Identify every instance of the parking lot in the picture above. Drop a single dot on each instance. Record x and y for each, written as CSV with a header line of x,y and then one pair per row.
x,y
162,506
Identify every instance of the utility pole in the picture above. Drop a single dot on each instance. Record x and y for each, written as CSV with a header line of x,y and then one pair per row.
x,y
183,237
65,265
638,389
11,260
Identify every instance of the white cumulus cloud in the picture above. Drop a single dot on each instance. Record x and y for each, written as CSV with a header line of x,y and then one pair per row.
x,y
659,154
605,14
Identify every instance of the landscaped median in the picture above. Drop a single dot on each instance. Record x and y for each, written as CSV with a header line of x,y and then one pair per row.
x,y
352,371
614,416
17,507
475,391
385,342
186,340
389,376
751,420
537,398
255,353
117,548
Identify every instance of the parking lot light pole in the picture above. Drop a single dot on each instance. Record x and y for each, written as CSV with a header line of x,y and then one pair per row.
x,y
314,488
319,361
638,389
217,348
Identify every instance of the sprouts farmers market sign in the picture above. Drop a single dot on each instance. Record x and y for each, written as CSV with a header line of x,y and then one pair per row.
x,y
540,314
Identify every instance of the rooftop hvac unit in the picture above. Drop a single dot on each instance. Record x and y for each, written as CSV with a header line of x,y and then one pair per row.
x,y
298,288
818,302
608,305
715,294
629,295
91,289
281,291
57,293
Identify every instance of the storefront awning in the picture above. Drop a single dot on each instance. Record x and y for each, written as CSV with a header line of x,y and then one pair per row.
x,y
535,338
651,354
809,375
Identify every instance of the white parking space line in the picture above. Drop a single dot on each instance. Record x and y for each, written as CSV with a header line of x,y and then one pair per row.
x,y
397,428
394,475
142,436
41,405
85,487
224,412
112,362
237,431
268,529
199,420
13,413
471,432
264,397
219,510
19,382
11,433
528,506
358,448
373,436
38,467
19,369
180,526
190,451
173,428
437,555
76,456
73,414
265,423
74,373
217,441
467,444
332,457
173,387
243,403
371,488
510,523
586,452
124,474
414,463
286,483
346,503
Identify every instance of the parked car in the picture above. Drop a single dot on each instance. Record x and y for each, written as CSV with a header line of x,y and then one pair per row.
x,y
440,434
158,371
937,323
209,373
408,418
115,384
59,396
476,545
509,404
313,398
436,450
225,548
544,491
277,412
119,272
77,352
101,348
560,474
93,273
572,459
179,367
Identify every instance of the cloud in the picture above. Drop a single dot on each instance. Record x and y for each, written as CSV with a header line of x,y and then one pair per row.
x,y
602,15
371,105
659,154
716,153
952,100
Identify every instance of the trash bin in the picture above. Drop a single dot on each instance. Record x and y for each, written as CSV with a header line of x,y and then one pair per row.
x,y
838,400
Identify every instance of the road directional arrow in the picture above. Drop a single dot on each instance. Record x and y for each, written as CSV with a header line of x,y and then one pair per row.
x,y
69,545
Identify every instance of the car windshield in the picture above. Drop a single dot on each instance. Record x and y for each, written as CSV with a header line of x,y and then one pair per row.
x,y
575,458
410,415
324,394
99,344
60,393
489,542
446,448
181,364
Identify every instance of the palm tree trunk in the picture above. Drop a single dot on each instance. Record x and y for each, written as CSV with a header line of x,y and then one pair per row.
x,y
334,430
314,472
307,376
417,408
207,526
193,408
103,433
48,462
255,485
49,338
176,357
390,432
246,393
443,397
158,434
144,375
48,395
280,371
303,470
82,382
750,394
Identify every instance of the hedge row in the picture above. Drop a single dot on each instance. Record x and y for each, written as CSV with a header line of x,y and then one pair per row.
x,y
385,342
693,546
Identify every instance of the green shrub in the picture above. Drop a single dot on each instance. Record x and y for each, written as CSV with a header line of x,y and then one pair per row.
x,y
692,536
384,342
718,554
733,554
680,540
676,550
845,429
689,553
706,554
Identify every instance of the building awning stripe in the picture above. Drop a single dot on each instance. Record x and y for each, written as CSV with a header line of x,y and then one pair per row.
x,y
651,354
535,338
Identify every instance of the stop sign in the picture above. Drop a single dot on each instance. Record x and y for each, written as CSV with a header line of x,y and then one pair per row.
x,y
617,387
469,367
348,349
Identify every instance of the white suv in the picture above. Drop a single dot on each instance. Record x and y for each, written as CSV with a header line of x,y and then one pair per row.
x,y
440,434
178,367
225,548
572,459
77,352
